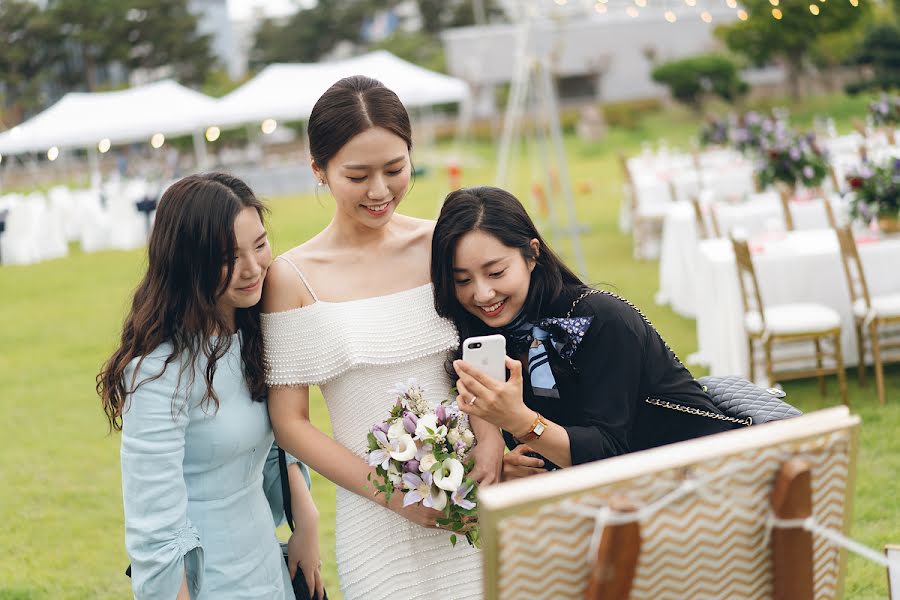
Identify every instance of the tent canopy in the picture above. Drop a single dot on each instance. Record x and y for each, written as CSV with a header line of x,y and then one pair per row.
x,y
280,91
289,91
81,120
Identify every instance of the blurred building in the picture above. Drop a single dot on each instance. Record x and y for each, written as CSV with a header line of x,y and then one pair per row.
x,y
600,51
213,20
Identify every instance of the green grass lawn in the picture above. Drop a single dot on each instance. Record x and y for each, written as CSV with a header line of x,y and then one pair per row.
x,y
61,511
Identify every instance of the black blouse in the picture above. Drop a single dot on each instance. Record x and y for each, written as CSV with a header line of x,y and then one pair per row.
x,y
621,363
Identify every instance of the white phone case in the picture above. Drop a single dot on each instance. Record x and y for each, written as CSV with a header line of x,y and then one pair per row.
x,y
488,354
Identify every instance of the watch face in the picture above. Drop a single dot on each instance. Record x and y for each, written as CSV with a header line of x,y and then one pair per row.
x,y
539,428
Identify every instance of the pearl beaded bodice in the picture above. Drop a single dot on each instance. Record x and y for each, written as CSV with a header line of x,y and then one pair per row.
x,y
356,352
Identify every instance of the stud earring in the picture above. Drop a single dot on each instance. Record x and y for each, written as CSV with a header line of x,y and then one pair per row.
x,y
321,182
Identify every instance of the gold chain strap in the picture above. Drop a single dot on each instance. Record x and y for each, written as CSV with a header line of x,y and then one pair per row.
x,y
696,411
591,292
656,401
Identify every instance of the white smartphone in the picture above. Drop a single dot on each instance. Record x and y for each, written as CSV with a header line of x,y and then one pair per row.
x,y
487,353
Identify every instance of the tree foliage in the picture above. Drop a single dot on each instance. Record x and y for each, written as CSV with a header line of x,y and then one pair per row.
x,y
691,79
312,33
880,50
47,49
763,38
30,47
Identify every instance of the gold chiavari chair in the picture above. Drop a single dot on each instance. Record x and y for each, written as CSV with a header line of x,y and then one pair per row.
x,y
869,312
788,323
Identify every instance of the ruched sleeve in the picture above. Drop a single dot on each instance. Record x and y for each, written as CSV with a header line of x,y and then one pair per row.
x,y
272,481
161,542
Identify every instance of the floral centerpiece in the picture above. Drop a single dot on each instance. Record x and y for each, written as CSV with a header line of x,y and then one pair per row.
x,y
876,194
886,111
715,132
753,131
422,452
792,159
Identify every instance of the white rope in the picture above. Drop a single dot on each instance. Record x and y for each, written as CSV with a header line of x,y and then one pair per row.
x,y
835,537
604,515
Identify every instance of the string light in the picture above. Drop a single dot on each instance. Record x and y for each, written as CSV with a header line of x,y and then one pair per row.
x,y
213,133
670,16
53,153
776,13
706,16
157,140
691,2
641,3
742,15
774,2
631,11
814,9
854,2
104,145
731,3
268,126
600,8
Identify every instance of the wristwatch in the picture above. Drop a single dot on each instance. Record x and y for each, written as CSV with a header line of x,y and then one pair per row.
x,y
537,429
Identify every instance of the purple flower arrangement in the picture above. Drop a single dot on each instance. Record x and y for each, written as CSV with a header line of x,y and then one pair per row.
x,y
876,191
422,453
885,111
792,159
715,132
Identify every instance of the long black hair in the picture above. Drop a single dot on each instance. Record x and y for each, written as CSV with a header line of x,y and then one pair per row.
x,y
192,242
500,214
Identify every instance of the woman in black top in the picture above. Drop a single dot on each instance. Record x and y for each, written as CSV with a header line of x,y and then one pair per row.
x,y
600,380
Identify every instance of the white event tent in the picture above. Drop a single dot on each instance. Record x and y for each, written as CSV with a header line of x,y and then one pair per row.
x,y
289,91
82,120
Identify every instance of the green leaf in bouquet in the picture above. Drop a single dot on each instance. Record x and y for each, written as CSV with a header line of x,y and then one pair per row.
x,y
453,540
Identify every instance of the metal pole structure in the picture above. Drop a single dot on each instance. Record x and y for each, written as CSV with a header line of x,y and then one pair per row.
x,y
200,155
478,9
549,95
517,96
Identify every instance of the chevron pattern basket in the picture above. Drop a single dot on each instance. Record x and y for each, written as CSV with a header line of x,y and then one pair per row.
x,y
711,544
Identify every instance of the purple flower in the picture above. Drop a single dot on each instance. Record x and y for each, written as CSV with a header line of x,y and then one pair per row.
x,y
795,153
411,466
382,427
441,413
409,422
808,172
459,497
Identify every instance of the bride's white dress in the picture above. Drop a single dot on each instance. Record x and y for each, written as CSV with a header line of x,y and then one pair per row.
x,y
356,351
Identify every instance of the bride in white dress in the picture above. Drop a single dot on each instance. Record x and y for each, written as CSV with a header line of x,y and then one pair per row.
x,y
351,310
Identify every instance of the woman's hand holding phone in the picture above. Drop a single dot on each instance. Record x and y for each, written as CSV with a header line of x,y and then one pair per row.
x,y
498,402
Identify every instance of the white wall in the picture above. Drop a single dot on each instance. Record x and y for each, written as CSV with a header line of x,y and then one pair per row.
x,y
582,46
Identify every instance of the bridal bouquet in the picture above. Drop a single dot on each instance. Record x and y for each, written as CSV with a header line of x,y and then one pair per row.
x,y
422,453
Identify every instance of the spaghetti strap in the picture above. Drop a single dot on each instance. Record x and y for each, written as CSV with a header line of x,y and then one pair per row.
x,y
302,278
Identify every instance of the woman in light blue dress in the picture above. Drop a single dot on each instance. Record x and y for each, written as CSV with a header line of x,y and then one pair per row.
x,y
200,477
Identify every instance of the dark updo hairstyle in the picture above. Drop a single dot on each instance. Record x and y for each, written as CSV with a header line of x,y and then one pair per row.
x,y
191,244
349,107
497,213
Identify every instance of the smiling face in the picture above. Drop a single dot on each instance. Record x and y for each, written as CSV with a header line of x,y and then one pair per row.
x,y
491,280
368,176
253,255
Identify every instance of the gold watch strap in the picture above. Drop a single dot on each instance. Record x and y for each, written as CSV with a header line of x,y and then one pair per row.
x,y
534,432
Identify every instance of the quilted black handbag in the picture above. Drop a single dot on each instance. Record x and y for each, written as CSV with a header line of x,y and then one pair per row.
x,y
742,399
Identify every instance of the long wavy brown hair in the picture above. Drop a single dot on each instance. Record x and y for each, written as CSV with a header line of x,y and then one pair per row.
x,y
190,262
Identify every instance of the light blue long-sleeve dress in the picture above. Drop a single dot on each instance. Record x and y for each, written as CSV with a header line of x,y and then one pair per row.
x,y
200,486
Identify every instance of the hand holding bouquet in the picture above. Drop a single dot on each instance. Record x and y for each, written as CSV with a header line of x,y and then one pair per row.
x,y
422,452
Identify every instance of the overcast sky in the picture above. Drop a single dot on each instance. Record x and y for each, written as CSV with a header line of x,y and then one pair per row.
x,y
241,9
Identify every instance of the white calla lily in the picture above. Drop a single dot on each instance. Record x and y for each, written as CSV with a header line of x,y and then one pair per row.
x,y
396,431
403,448
437,499
449,477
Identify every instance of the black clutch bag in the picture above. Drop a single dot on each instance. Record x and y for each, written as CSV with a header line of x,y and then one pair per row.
x,y
742,399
